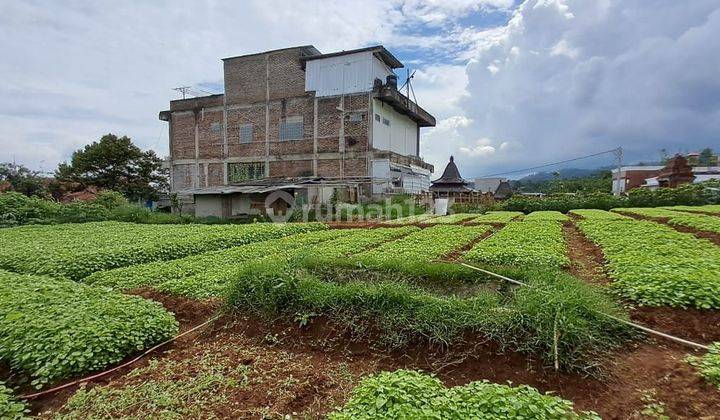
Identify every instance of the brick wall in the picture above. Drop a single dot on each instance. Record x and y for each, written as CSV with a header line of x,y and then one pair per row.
x,y
210,143
183,135
291,168
253,115
249,78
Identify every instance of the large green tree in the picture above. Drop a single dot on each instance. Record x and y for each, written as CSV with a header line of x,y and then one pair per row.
x,y
116,163
706,157
22,179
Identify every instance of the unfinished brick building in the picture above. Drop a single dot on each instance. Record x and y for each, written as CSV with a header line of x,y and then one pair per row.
x,y
299,121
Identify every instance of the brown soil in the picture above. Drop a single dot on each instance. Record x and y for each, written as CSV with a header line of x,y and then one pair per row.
x,y
310,370
711,236
692,324
586,257
188,312
455,255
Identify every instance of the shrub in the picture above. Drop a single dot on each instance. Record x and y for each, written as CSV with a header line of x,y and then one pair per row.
x,y
52,329
689,194
407,394
110,199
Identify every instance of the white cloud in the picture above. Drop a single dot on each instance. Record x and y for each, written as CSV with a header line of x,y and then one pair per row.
x,y
72,72
439,12
567,78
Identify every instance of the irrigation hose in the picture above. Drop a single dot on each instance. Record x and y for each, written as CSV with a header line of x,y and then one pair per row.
x,y
508,279
626,322
107,372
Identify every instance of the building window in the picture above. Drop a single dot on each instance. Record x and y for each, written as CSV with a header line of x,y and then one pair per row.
x,y
386,122
356,117
245,171
291,128
246,133
377,117
216,127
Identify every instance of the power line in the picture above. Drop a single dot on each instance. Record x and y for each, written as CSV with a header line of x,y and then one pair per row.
x,y
616,150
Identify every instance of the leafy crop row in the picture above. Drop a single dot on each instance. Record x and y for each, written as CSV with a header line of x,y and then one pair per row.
x,y
419,248
545,215
657,265
497,217
77,250
418,218
52,328
407,394
450,219
708,208
594,214
523,244
207,275
10,407
678,218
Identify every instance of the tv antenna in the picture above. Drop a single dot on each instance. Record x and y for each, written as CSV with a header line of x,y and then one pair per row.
x,y
186,91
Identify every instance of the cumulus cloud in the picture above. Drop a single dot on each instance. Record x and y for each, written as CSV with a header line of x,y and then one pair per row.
x,y
567,78
73,72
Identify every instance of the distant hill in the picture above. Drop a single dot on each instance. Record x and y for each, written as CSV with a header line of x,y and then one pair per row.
x,y
568,173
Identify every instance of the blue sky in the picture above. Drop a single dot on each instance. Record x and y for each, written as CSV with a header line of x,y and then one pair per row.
x,y
513,84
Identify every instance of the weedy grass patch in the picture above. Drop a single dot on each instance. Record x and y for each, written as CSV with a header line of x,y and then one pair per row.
x,y
522,319
656,265
52,329
75,251
497,217
708,365
528,244
545,215
407,394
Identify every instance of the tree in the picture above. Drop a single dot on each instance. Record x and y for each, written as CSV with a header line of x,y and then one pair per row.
x,y
115,163
22,179
706,157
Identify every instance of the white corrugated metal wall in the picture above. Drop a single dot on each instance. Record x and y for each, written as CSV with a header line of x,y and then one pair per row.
x,y
344,74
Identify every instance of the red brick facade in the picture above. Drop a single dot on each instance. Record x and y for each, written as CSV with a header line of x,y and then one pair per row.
x,y
261,92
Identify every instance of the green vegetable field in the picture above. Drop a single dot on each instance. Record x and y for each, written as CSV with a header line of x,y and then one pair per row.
x,y
77,250
402,319
532,244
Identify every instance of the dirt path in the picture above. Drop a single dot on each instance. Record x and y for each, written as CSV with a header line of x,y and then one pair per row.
x,y
586,257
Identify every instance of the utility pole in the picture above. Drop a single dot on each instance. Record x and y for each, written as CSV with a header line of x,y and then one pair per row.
x,y
619,157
